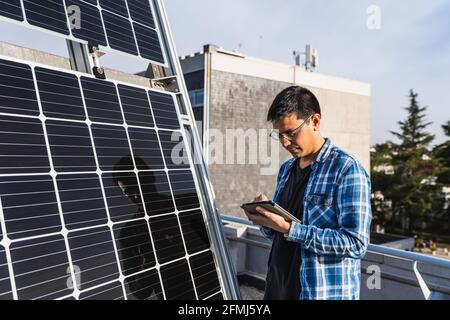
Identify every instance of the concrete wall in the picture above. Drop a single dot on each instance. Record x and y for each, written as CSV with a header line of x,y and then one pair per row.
x,y
240,101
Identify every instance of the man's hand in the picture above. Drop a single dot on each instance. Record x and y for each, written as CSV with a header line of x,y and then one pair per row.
x,y
267,218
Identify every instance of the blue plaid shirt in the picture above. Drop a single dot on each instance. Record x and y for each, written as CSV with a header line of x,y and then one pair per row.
x,y
335,229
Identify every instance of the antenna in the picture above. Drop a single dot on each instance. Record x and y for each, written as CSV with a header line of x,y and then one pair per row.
x,y
311,58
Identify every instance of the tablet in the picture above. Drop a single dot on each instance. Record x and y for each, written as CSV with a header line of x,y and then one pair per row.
x,y
269,206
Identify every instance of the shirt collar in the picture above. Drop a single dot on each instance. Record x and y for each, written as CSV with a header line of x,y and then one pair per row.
x,y
325,151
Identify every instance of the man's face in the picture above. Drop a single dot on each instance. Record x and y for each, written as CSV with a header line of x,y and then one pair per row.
x,y
130,193
302,145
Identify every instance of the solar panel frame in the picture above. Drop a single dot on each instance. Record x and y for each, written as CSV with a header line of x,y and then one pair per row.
x,y
146,55
93,291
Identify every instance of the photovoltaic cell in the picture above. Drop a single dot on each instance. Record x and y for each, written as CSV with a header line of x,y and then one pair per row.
x,y
184,191
194,231
140,11
167,238
93,254
103,201
164,110
177,279
134,246
120,33
60,94
47,14
22,146
81,200
123,205
11,9
17,93
145,146
174,149
71,146
102,102
41,268
144,286
205,275
156,192
136,106
29,206
111,143
148,43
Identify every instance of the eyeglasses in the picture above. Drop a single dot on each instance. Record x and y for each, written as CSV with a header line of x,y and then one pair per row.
x,y
292,136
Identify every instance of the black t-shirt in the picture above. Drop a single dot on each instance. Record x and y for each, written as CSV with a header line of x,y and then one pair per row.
x,y
283,281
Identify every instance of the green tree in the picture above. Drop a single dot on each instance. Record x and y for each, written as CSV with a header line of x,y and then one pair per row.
x,y
442,154
442,208
413,190
381,171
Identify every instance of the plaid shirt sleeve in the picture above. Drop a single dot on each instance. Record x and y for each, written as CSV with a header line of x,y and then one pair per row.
x,y
354,218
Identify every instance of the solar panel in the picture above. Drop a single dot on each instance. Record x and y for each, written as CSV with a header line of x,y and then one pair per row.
x,y
97,198
126,26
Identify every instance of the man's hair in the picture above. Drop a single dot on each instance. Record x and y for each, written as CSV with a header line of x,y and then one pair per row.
x,y
295,99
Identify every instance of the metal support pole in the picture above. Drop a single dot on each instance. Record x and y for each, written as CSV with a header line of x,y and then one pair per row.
x,y
79,56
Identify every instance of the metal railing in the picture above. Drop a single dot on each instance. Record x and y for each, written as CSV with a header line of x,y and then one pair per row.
x,y
414,257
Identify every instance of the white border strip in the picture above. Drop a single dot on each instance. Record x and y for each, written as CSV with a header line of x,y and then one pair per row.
x,y
285,73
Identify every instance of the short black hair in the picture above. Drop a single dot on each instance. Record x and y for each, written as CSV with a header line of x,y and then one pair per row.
x,y
126,164
294,99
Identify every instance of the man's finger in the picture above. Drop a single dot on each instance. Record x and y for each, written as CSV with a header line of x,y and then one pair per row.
x,y
261,197
256,218
263,211
250,216
247,214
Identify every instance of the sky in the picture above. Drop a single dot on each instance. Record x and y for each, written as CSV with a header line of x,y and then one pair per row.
x,y
410,50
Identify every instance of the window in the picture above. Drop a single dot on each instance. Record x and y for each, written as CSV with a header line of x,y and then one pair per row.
x,y
196,98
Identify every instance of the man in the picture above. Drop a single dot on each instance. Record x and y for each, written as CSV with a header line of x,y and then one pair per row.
x,y
329,191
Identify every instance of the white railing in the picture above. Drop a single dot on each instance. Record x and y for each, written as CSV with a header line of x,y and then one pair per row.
x,y
384,251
